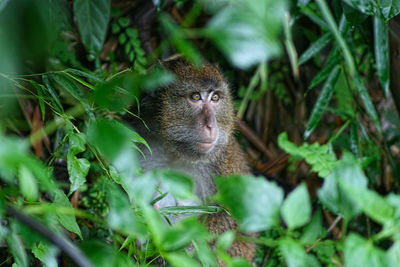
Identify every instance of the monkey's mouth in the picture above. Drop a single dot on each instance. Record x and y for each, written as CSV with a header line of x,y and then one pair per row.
x,y
205,146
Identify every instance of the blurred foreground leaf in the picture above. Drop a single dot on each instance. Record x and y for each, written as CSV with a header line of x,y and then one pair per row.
x,y
255,203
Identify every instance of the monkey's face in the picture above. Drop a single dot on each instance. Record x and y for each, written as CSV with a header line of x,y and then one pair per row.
x,y
197,114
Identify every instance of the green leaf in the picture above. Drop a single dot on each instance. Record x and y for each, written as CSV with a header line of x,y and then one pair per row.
x,y
121,216
333,196
180,259
178,184
47,254
332,62
315,48
54,97
28,184
296,209
205,254
69,86
225,240
361,252
322,101
253,202
184,232
68,221
17,249
122,38
178,39
77,169
193,210
314,229
124,22
381,50
115,28
77,142
369,107
295,255
393,254
85,74
103,255
247,32
376,207
92,17
336,33
110,137
39,91
318,156
364,6
132,33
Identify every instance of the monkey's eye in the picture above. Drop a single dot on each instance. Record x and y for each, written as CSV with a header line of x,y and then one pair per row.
x,y
195,96
215,97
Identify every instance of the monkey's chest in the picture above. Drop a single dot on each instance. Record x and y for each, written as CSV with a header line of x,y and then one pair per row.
x,y
201,173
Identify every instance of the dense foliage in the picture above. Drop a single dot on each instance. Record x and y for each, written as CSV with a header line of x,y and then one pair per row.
x,y
316,116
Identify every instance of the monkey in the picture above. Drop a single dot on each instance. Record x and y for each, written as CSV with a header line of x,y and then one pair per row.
x,y
190,129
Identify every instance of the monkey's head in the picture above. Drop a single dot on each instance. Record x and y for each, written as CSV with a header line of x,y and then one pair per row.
x,y
196,113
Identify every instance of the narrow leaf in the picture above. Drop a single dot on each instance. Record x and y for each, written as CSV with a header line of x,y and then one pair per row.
x,y
369,107
55,99
315,48
69,86
336,33
40,97
381,49
322,101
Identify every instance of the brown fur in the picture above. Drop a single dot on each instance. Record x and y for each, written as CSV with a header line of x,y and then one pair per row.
x,y
173,123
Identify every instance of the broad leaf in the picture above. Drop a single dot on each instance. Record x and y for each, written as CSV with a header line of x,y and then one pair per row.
x,y
334,197
92,17
66,220
296,209
253,202
247,31
361,252
295,255
121,216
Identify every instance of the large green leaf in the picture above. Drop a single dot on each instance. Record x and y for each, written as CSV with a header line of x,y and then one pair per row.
x,y
253,202
361,252
333,196
121,216
296,209
247,32
92,17
182,233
